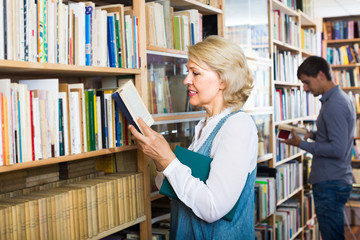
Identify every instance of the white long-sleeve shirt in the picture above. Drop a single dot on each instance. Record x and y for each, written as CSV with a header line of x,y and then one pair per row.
x,y
234,152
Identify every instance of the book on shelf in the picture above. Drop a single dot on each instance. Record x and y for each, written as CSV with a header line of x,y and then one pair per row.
x,y
284,131
129,101
200,168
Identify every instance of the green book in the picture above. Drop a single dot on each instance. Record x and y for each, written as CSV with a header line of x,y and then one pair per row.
x,y
200,168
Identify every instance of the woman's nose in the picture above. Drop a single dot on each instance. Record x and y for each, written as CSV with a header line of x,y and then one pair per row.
x,y
188,80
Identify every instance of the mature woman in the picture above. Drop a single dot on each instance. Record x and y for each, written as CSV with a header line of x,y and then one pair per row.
x,y
220,81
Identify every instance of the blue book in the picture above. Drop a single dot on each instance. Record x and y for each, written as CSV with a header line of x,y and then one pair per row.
x,y
200,168
111,41
88,14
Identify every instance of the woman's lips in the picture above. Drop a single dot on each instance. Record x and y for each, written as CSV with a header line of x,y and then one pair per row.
x,y
192,93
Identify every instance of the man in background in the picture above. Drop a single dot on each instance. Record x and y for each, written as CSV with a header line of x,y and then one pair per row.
x,y
331,172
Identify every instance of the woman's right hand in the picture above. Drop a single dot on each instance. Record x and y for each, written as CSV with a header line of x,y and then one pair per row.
x,y
153,144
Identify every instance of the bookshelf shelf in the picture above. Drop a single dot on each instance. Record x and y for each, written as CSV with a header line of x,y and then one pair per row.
x,y
346,65
305,20
177,117
166,52
288,121
19,68
289,158
119,228
336,41
289,84
351,88
160,218
285,47
265,158
277,5
192,4
49,161
306,53
290,196
294,236
260,110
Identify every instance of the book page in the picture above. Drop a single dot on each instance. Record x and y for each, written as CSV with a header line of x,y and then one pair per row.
x,y
135,104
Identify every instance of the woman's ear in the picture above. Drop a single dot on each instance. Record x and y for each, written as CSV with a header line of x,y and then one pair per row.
x,y
222,84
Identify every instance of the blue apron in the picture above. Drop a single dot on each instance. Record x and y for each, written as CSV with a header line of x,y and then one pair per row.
x,y
185,225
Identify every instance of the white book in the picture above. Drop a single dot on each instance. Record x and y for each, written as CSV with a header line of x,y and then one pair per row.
x,y
2,35
103,39
5,88
21,31
79,12
64,110
51,30
25,139
64,47
37,128
52,86
110,117
32,33
129,41
100,57
75,123
82,113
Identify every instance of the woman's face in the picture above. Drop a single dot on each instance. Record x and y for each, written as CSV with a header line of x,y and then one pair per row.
x,y
205,87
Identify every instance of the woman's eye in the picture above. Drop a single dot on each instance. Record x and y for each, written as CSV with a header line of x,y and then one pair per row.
x,y
196,73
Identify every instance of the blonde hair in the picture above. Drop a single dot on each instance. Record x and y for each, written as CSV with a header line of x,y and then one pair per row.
x,y
228,60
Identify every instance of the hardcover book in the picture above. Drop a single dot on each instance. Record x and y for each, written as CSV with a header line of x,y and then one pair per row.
x,y
200,168
284,131
129,101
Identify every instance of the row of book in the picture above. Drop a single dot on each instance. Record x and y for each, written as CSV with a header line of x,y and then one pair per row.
x,y
169,29
260,95
341,29
288,219
285,66
309,206
286,29
41,119
307,7
76,33
283,150
288,179
212,3
252,38
287,103
73,210
346,77
356,151
264,231
308,40
343,55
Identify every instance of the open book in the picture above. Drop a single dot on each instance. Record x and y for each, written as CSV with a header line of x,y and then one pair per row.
x,y
284,131
130,103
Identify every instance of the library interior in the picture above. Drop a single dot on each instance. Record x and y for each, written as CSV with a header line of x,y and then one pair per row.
x,y
75,74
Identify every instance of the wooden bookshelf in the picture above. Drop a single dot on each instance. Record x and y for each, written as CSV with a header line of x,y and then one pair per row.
x,y
298,190
68,158
192,4
19,68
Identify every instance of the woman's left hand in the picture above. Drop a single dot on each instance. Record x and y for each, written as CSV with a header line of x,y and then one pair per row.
x,y
153,144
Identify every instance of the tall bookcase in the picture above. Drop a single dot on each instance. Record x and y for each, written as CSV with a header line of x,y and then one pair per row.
x,y
340,46
87,75
275,37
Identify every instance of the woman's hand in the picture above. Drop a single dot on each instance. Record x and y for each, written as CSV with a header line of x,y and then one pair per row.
x,y
153,145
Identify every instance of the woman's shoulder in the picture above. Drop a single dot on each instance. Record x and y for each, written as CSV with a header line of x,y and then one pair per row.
x,y
240,121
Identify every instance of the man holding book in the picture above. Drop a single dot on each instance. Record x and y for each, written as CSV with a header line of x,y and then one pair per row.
x,y
331,172
219,80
